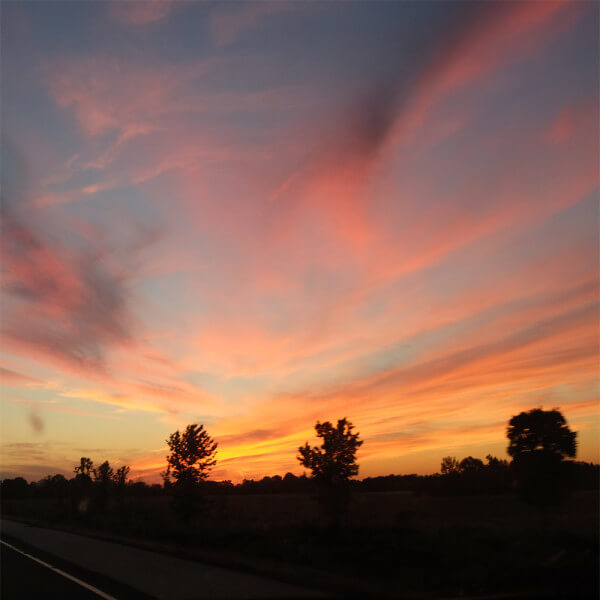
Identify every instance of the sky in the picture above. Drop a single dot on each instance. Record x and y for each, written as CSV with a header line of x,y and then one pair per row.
x,y
258,215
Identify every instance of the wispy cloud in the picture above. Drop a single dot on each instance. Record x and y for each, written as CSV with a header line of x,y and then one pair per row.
x,y
228,21
261,214
68,303
139,12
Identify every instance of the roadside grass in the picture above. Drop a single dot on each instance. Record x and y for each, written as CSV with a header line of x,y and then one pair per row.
x,y
409,545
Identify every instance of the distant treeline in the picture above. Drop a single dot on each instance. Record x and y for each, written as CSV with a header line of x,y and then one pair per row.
x,y
467,477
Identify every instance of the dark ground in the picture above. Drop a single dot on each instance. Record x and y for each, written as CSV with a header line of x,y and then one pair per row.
x,y
403,545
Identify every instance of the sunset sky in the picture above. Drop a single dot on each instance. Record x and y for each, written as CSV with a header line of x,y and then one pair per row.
x,y
258,215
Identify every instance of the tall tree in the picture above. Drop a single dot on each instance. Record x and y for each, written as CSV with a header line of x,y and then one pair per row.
x,y
192,457
332,465
85,466
82,485
103,473
120,480
539,441
103,480
120,475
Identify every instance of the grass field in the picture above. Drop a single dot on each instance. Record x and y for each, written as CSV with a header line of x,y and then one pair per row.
x,y
402,543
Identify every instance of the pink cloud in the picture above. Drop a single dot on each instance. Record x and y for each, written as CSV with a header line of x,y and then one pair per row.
x,y
13,378
309,264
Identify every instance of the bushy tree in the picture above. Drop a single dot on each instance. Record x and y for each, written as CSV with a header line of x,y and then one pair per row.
x,y
332,465
543,431
120,475
470,465
190,461
449,465
496,464
16,488
103,473
539,441
103,476
85,466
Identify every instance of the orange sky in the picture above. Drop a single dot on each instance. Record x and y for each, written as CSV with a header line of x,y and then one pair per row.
x,y
259,215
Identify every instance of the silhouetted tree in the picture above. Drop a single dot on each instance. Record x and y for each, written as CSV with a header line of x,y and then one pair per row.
x,y
192,457
81,485
539,441
119,478
16,488
52,486
470,465
85,466
496,463
449,465
103,476
103,473
471,476
60,489
332,465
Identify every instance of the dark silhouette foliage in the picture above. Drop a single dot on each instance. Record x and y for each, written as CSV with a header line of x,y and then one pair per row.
x,y
16,488
103,479
449,465
539,441
190,461
541,431
120,475
119,478
82,485
470,476
104,473
332,465
470,465
85,466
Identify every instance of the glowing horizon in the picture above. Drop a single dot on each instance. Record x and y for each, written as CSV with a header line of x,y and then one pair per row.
x,y
259,215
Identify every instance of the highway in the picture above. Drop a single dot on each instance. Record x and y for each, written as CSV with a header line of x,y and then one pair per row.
x,y
44,563
26,577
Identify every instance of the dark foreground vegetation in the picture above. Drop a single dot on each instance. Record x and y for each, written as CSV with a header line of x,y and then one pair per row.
x,y
478,527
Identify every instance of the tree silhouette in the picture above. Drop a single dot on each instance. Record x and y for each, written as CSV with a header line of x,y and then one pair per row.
x,y
85,466
539,440
541,431
120,476
449,465
103,473
332,465
497,464
470,465
82,484
60,488
192,457
103,476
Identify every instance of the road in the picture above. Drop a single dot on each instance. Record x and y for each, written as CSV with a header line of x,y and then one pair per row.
x,y
25,578
92,568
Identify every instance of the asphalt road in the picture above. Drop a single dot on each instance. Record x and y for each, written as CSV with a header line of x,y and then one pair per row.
x,y
120,572
24,578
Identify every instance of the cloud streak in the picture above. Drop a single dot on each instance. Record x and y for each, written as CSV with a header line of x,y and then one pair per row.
x,y
139,13
70,304
258,215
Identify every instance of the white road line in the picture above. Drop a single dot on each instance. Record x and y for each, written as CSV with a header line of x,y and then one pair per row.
x,y
78,581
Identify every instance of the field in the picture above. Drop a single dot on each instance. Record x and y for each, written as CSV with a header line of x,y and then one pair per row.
x,y
396,543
